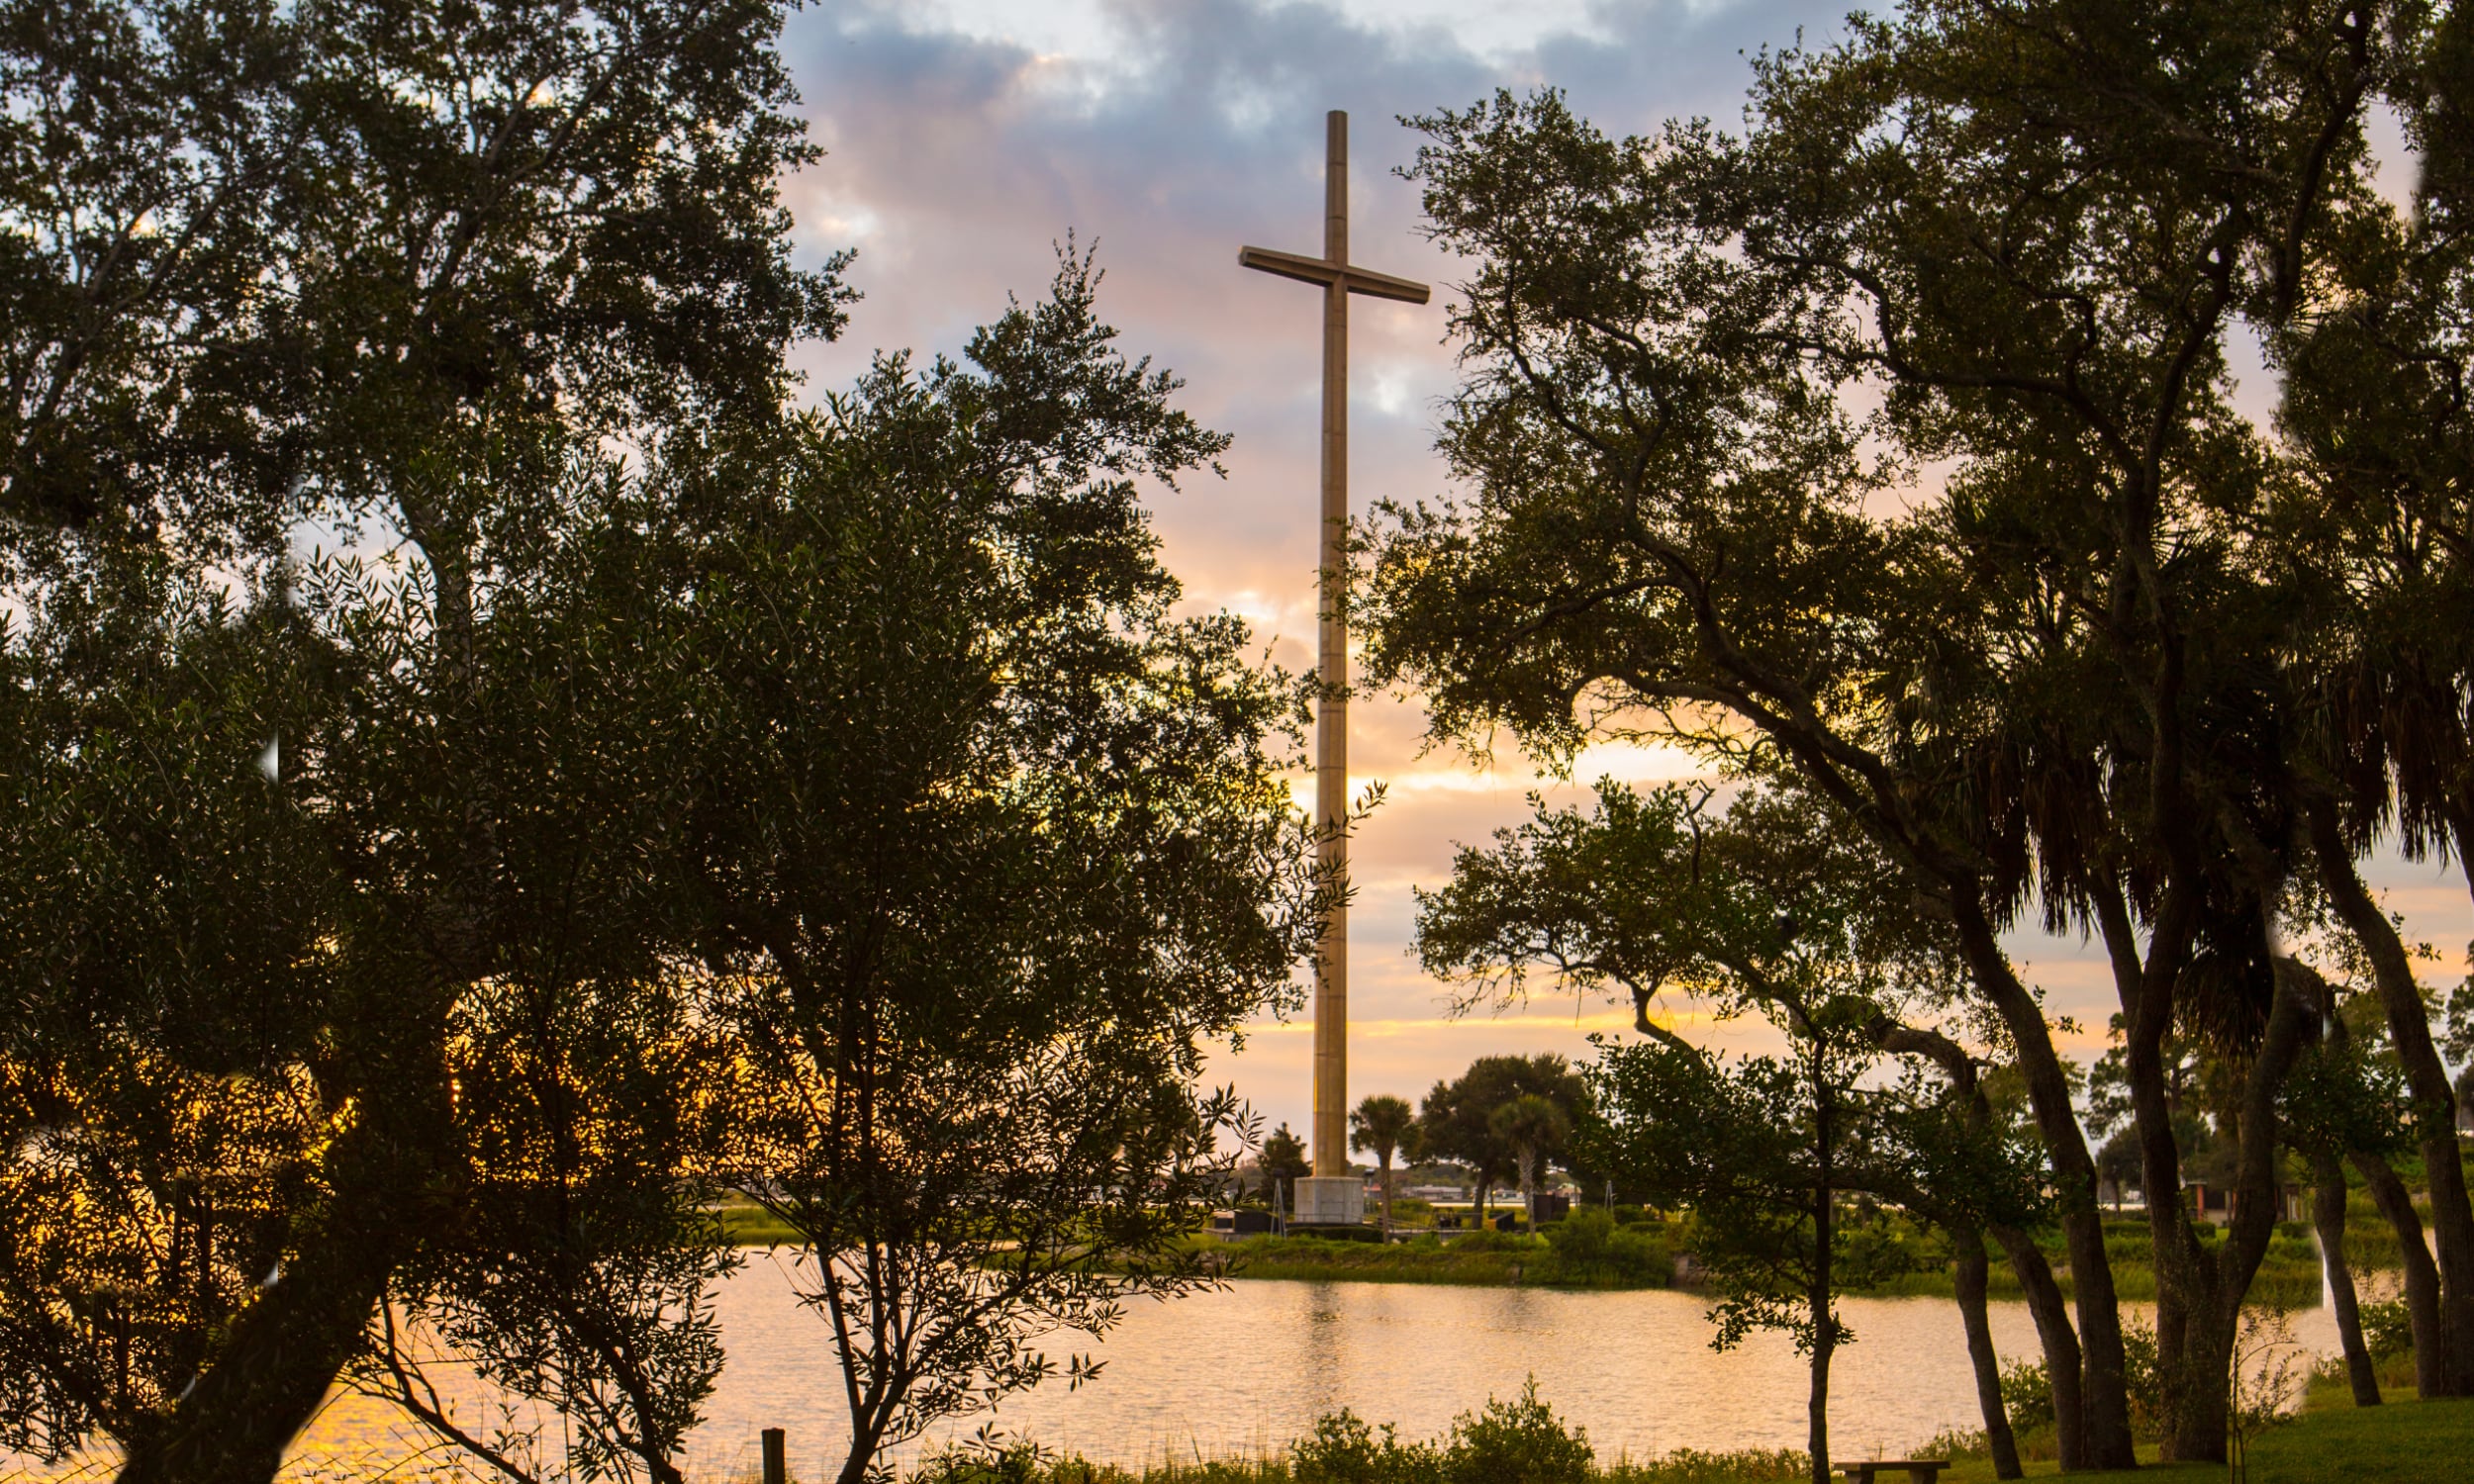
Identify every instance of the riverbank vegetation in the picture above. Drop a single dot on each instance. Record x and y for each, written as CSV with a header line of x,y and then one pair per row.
x,y
1573,1255
1522,1440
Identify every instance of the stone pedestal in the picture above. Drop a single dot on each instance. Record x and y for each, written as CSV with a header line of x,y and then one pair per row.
x,y
1330,1201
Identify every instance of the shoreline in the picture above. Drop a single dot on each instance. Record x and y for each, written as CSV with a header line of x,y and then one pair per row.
x,y
2289,1277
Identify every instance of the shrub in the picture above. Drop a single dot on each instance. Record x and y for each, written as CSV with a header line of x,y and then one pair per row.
x,y
2140,1377
1518,1442
990,1458
2387,1328
1584,1235
1590,1248
1345,1450
1490,1241
2027,1394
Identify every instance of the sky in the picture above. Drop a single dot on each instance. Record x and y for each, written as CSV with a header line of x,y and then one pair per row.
x,y
965,138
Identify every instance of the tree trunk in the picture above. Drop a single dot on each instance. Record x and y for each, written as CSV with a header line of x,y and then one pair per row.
x,y
274,1362
1825,1333
2196,1378
2327,1214
2103,1409
2186,1298
1386,1164
2063,1363
1970,1280
2434,1102
2430,1357
1972,1275
2195,1369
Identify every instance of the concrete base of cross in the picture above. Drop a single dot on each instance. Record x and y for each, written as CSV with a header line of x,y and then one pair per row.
x,y
1329,1201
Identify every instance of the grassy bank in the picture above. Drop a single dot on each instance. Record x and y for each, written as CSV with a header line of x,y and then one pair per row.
x,y
750,1224
1642,1255
1523,1442
1591,1251
1586,1255
2406,1441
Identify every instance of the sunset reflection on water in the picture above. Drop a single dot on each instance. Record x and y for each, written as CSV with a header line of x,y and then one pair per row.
x,y
1252,1366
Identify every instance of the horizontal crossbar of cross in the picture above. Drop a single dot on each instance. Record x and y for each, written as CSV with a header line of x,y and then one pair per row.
x,y
1320,270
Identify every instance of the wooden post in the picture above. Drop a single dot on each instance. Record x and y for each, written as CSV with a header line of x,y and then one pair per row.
x,y
777,1464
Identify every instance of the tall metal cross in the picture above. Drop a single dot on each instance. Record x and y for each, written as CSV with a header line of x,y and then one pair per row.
x,y
1338,278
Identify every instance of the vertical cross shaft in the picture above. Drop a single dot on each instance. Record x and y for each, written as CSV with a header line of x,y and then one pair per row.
x,y
1338,278
1331,711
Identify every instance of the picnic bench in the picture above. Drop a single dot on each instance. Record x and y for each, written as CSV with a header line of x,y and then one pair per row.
x,y
1924,1470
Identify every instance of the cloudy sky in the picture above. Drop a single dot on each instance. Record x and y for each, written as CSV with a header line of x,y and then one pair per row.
x,y
965,137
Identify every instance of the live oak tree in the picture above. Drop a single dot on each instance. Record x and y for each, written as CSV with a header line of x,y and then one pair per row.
x,y
988,846
215,812
1754,1151
2054,681
1457,1119
408,268
2372,535
1752,914
160,908
1770,908
264,256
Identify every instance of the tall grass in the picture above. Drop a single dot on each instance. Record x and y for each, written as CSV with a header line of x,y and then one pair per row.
x,y
1516,1442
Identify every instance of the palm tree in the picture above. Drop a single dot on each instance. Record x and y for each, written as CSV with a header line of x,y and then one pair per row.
x,y
1383,1126
1534,1127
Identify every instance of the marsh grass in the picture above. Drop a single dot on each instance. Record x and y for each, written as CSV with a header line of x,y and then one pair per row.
x,y
1519,1440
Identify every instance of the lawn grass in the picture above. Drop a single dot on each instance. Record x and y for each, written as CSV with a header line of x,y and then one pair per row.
x,y
750,1224
2404,1442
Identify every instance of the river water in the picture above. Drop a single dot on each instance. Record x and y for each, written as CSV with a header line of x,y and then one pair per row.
x,y
1253,1365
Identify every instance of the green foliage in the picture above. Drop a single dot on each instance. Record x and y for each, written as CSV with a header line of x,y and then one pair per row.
x,y
256,259
2042,552
1692,1466
2405,1443
1343,1449
1519,1440
1516,1442
1457,1120
2387,1328
2027,1394
1589,1249
401,1009
987,844
1383,1126
1641,1258
1283,1157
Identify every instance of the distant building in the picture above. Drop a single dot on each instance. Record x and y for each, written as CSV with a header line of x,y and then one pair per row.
x,y
2217,1205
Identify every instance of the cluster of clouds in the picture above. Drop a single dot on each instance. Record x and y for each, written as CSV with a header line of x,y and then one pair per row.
x,y
966,139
